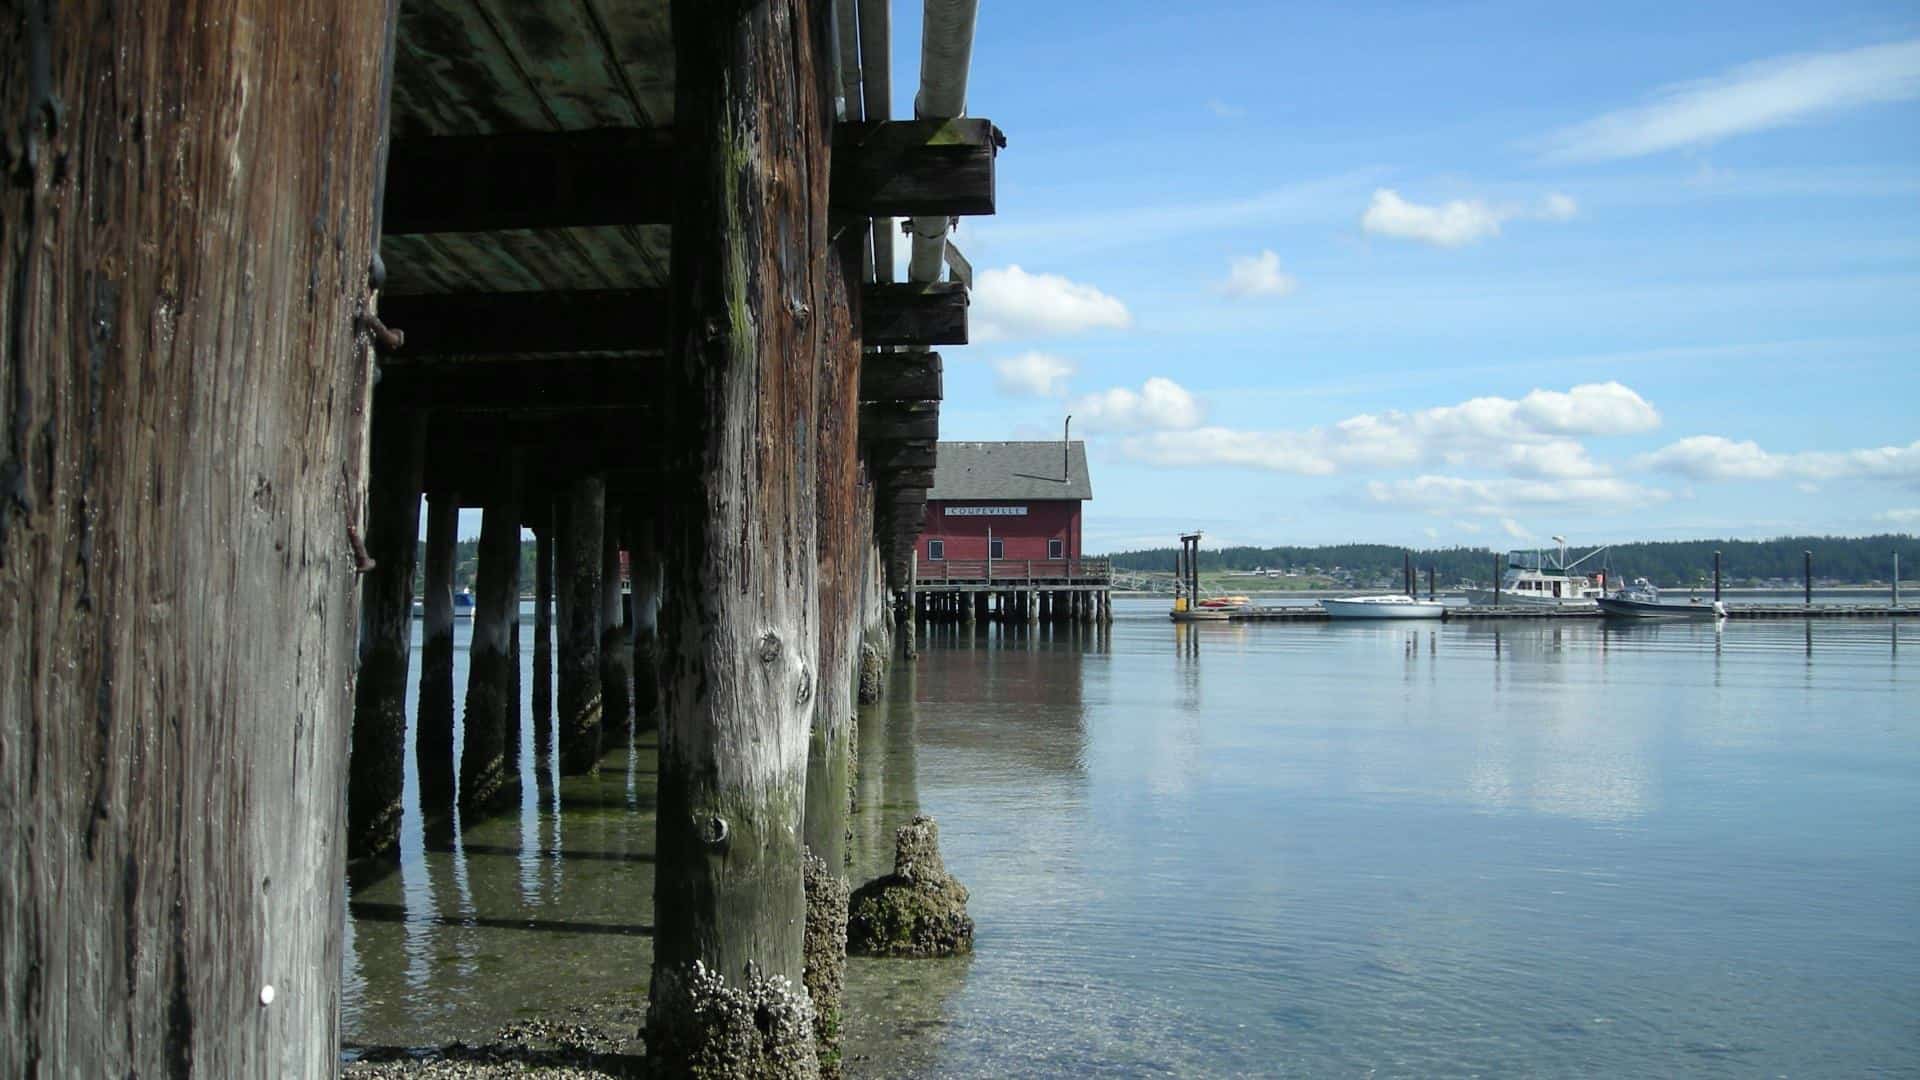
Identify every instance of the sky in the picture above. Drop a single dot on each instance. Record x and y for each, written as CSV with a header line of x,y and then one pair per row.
x,y
1438,274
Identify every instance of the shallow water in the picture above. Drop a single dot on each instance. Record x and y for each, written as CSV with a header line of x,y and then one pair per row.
x,y
1316,849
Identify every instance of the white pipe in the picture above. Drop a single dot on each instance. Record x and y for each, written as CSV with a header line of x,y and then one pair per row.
x,y
847,38
876,84
946,54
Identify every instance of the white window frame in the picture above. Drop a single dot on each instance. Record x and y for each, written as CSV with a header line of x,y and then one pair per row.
x,y
1056,548
936,551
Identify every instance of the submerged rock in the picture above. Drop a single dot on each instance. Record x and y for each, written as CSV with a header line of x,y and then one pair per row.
x,y
919,909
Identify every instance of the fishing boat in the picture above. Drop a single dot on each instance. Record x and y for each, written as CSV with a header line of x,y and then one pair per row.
x,y
1641,600
1381,607
1544,579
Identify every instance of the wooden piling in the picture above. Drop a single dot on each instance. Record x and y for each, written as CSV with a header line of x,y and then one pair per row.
x,y
1716,578
483,761
433,716
643,565
184,396
1807,577
578,523
740,636
377,767
616,648
542,718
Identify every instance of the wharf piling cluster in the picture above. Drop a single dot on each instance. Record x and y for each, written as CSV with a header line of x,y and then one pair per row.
x,y
637,297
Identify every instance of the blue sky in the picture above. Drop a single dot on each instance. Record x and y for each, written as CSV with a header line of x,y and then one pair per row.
x,y
1451,274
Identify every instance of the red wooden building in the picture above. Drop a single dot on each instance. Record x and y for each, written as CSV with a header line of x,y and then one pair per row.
x,y
1005,500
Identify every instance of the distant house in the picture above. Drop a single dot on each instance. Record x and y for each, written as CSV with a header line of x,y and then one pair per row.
x,y
1005,500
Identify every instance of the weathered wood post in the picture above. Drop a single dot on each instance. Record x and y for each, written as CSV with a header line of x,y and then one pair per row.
x,y
1716,577
1496,578
543,637
643,565
1807,577
483,765
377,767
515,717
184,396
577,527
616,650
740,631
433,718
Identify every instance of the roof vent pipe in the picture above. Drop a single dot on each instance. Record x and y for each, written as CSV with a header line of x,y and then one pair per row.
x,y
946,53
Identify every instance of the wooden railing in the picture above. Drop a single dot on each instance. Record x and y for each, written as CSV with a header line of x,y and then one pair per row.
x,y
1014,572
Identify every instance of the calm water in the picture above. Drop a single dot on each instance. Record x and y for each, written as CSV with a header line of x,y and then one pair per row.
x,y
1320,849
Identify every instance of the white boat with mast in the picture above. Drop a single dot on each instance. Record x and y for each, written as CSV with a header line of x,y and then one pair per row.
x,y
1397,606
1544,579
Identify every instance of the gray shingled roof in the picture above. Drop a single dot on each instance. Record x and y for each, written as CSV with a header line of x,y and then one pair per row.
x,y
1010,470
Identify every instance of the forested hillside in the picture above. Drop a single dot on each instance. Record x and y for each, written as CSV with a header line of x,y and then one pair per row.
x,y
1842,559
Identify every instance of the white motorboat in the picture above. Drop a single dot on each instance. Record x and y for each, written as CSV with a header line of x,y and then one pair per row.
x,y
1381,607
1542,579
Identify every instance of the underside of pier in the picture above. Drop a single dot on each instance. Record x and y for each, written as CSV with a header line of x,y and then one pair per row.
x,y
621,273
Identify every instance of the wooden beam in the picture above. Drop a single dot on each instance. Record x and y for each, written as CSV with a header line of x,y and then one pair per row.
x,y
623,176
887,455
900,420
484,183
568,384
914,314
480,324
631,320
901,168
900,376
905,479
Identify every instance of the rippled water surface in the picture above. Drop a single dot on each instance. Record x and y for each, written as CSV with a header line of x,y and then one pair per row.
x,y
1316,849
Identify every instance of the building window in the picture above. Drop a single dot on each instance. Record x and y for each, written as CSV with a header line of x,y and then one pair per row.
x,y
936,550
996,549
1056,548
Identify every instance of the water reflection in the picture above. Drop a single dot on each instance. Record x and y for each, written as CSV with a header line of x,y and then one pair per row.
x,y
1519,849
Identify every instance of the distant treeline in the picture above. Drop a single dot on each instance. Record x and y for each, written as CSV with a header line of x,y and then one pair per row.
x,y
466,562
1847,559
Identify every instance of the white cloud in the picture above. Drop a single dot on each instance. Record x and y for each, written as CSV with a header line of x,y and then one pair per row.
x,y
1493,498
1223,110
1753,97
1432,533
1450,224
1011,302
1456,223
1033,374
1515,529
1908,516
1713,457
1258,275
1159,405
1528,436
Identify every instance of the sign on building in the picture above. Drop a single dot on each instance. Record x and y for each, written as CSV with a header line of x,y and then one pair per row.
x,y
986,511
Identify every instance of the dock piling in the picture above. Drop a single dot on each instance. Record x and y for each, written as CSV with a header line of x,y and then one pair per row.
x,y
433,718
616,650
377,766
489,676
578,525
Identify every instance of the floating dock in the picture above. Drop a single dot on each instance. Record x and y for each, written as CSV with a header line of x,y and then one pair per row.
x,y
1316,613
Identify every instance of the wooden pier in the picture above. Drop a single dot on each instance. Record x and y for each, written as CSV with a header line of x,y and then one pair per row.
x,y
620,274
